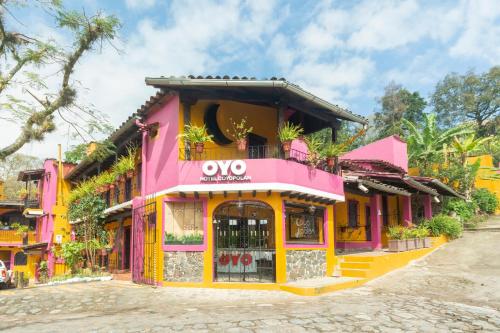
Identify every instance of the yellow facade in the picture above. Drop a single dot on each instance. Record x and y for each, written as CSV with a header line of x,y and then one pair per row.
x,y
483,178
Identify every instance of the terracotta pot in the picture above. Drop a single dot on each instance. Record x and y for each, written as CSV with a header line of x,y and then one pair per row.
x,y
199,147
330,161
104,252
112,186
287,145
242,144
130,174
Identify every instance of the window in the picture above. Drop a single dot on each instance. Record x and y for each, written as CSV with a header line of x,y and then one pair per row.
x,y
184,223
20,259
352,213
138,178
385,211
304,223
128,189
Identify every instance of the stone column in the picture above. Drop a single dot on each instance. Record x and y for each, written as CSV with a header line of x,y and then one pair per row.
x,y
376,220
407,216
427,207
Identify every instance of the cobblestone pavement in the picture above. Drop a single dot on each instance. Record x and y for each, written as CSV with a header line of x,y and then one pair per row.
x,y
455,289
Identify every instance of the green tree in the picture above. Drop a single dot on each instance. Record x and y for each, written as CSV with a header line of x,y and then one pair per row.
x,y
467,144
468,98
88,213
397,104
26,57
10,168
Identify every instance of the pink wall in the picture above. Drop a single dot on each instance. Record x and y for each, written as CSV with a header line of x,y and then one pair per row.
x,y
161,154
270,171
49,192
391,149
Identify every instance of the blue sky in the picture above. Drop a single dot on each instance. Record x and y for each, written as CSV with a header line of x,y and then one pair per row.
x,y
344,51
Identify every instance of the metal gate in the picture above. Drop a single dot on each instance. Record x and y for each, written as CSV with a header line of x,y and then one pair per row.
x,y
144,244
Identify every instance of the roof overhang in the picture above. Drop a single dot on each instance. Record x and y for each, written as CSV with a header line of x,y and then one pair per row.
x,y
28,175
377,186
285,189
294,95
36,246
113,210
440,187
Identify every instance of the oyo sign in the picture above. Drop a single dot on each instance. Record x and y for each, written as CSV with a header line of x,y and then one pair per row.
x,y
228,170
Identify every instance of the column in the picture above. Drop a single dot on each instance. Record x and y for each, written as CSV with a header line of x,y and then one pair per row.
x,y
407,217
376,221
427,207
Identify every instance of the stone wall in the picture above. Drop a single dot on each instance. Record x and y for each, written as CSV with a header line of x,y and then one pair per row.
x,y
305,264
183,266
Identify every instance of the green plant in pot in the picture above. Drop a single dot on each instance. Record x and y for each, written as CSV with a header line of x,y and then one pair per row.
x,y
21,229
332,151
196,136
239,132
423,234
287,133
409,235
313,146
23,193
397,243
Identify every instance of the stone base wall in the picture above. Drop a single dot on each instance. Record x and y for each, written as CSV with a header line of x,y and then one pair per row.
x,y
183,266
305,264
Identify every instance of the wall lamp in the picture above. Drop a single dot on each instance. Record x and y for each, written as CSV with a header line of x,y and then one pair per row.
x,y
363,188
436,199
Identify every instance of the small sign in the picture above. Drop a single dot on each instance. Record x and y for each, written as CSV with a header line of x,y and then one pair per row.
x,y
252,222
263,221
59,239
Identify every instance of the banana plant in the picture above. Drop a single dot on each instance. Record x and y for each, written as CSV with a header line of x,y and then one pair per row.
x,y
465,145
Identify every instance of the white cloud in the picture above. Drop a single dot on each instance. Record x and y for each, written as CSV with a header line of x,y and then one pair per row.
x,y
136,4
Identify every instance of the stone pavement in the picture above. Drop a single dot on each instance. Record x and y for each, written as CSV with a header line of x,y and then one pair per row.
x,y
455,289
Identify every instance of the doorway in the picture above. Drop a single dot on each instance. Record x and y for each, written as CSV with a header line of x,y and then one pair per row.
x,y
368,223
244,243
126,248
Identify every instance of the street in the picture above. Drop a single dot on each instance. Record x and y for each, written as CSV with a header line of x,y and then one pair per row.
x,y
456,288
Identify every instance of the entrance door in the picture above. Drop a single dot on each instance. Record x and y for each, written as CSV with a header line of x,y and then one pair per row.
x,y
126,248
244,242
368,223
143,244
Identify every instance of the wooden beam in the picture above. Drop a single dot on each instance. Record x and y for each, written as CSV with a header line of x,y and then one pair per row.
x,y
225,194
239,193
285,194
210,194
196,195
293,195
254,193
269,193
182,194
301,196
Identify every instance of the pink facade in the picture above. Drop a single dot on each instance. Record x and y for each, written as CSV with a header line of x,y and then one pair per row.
x,y
49,198
391,149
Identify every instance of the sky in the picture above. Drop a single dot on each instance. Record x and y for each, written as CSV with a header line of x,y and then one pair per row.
x,y
345,52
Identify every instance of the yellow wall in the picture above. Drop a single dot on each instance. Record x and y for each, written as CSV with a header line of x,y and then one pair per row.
x,y
341,218
276,202
237,111
491,185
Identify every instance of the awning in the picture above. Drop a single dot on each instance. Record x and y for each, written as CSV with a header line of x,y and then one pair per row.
x,y
419,186
33,212
376,185
32,247
440,187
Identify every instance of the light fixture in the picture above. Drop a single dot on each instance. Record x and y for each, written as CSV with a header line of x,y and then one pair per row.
x,y
363,188
312,209
436,199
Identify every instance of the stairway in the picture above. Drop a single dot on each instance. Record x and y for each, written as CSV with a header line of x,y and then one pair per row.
x,y
357,266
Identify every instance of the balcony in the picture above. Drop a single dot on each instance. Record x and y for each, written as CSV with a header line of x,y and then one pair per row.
x,y
257,152
12,237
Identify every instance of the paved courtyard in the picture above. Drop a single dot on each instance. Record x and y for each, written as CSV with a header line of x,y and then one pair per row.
x,y
455,289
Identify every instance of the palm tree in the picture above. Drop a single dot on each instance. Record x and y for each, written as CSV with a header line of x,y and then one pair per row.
x,y
426,144
466,145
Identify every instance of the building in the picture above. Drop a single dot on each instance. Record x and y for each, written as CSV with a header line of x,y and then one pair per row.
x,y
223,216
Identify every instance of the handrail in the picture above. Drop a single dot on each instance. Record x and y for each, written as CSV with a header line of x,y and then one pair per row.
x,y
13,237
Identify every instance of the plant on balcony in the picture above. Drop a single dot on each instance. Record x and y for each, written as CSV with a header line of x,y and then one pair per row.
x,y
332,151
314,144
23,194
21,229
287,133
196,136
397,242
239,132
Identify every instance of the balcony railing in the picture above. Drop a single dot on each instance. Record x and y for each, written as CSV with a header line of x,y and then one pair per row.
x,y
13,237
256,152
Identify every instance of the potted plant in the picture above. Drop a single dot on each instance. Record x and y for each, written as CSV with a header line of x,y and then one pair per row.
x,y
240,132
287,133
332,151
21,229
313,146
397,243
410,239
197,136
424,236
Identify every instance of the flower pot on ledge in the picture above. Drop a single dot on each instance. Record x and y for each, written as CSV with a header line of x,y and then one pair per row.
x,y
287,146
130,174
242,144
330,161
199,147
397,245
410,244
419,243
427,242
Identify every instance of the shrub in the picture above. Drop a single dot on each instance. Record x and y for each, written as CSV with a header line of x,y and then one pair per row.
x,y
485,200
396,232
444,225
464,210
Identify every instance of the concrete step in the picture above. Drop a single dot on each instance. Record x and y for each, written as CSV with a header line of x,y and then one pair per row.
x,y
355,265
351,258
355,273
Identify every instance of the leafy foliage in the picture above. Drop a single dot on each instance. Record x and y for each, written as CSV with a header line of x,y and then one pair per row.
x,y
26,57
289,131
195,134
469,97
9,170
72,253
486,201
398,104
464,210
444,225
239,130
